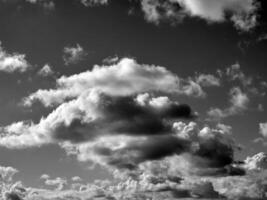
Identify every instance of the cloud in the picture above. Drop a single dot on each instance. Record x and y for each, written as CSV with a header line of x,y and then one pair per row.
x,y
73,55
95,114
243,14
45,71
207,80
263,129
58,183
234,73
12,62
127,77
238,103
7,173
48,5
76,179
256,162
94,2
190,150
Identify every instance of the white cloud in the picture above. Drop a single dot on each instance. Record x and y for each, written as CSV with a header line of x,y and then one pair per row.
x,y
256,162
94,2
76,179
46,70
263,129
243,13
12,62
73,55
127,77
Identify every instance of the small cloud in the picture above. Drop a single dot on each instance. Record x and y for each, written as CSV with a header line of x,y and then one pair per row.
x,y
94,2
263,129
45,71
207,80
14,62
73,55
76,179
44,176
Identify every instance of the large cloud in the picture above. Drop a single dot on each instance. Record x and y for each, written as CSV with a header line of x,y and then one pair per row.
x,y
127,77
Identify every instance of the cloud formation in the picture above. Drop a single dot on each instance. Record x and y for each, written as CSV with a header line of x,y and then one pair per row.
x,y
14,62
243,14
126,77
124,117
73,54
45,71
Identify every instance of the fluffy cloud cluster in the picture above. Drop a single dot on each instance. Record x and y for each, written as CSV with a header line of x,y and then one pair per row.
x,y
119,115
120,99
124,116
12,62
127,77
242,13
189,150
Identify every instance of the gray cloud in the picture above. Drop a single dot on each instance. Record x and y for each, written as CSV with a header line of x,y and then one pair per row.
x,y
73,54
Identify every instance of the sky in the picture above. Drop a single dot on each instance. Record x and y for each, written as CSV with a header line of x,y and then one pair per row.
x,y
137,99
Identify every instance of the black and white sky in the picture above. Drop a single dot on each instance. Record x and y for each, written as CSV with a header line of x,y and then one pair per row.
x,y
133,99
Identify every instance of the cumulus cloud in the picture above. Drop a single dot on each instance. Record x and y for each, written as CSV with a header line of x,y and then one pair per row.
x,y
45,71
207,80
189,149
96,114
256,162
127,77
73,54
243,14
124,117
12,62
